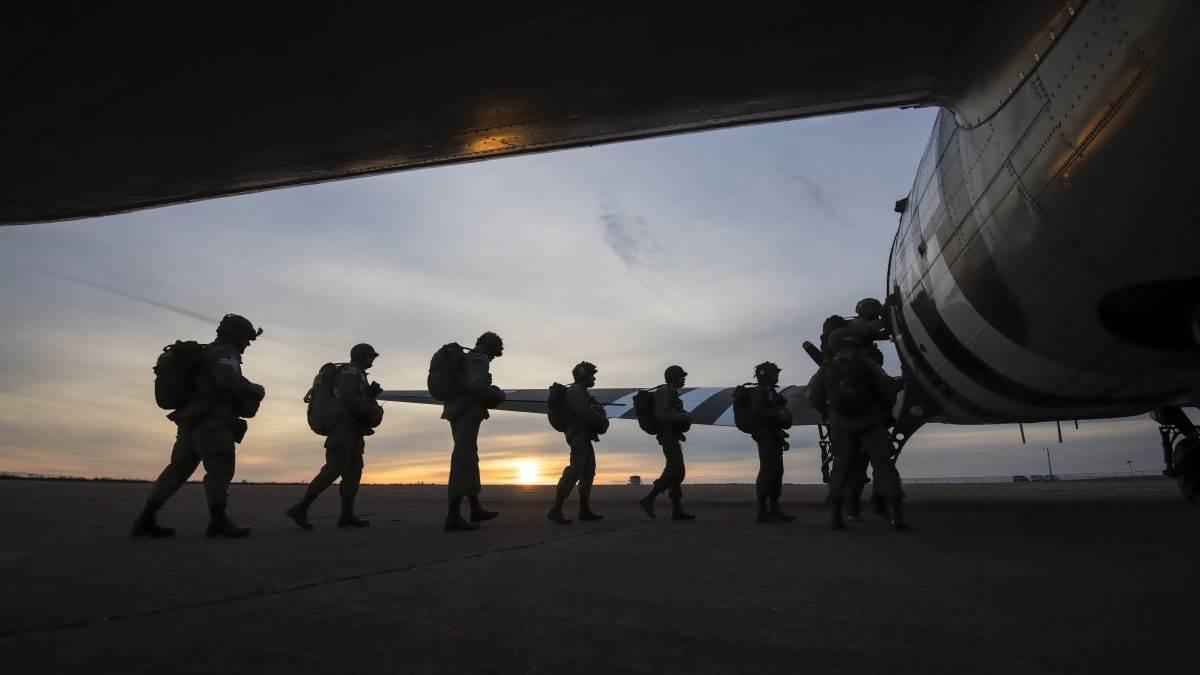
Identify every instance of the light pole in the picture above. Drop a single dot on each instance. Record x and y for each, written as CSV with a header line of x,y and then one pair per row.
x,y
1129,462
1049,467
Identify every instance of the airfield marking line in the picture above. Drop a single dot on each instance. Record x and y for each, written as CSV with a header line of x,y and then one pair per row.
x,y
199,604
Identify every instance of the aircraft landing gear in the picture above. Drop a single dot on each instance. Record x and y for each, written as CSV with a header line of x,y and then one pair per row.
x,y
1181,449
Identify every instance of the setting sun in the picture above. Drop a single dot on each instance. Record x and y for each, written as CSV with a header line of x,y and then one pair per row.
x,y
528,471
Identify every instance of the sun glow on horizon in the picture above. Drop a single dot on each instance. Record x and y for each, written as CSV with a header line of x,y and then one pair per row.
x,y
528,471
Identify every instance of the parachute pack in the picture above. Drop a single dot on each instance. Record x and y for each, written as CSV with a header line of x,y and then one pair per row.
x,y
643,407
175,373
445,379
557,410
743,411
323,407
849,383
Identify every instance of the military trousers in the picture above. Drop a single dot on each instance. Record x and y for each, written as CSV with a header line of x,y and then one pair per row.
x,y
206,441
581,470
850,450
343,459
770,464
673,473
464,459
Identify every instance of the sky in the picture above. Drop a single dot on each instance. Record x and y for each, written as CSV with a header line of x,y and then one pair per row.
x,y
714,250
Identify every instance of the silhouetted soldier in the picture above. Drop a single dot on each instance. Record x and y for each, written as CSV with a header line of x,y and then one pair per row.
x,y
588,421
466,413
208,428
358,416
771,417
870,327
856,396
673,421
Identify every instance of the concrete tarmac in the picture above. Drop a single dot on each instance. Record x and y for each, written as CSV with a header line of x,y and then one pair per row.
x,y
1079,577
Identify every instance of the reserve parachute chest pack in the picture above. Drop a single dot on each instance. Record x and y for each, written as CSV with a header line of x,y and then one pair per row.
x,y
323,406
175,373
849,384
445,379
557,410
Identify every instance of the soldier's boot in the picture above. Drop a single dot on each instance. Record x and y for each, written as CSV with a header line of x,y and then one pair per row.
x,y
219,524
585,506
147,525
896,515
347,517
299,513
647,502
836,514
478,513
454,519
854,509
764,514
878,506
556,513
778,512
677,512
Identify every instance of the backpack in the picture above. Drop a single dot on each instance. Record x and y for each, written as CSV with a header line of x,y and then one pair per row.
x,y
743,410
323,407
446,373
175,374
557,410
828,326
850,385
643,407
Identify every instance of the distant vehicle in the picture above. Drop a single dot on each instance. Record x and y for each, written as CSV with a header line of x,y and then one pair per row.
x,y
1020,479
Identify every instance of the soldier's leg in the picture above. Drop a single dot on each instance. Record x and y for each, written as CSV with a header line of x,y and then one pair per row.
x,y
845,446
857,481
352,468
878,446
213,440
675,490
663,482
184,461
566,483
777,486
465,465
332,468
764,483
587,474
459,482
182,465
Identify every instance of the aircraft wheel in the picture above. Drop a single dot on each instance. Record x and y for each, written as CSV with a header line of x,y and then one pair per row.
x,y
1187,468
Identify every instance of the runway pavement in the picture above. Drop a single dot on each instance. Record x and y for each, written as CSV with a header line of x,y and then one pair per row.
x,y
1080,577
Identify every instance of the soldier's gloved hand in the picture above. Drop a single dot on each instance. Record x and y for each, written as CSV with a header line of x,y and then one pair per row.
x,y
262,392
376,390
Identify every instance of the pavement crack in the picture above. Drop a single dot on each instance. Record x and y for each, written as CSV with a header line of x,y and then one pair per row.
x,y
295,588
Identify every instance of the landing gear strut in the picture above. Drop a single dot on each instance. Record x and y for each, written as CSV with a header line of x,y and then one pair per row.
x,y
1181,449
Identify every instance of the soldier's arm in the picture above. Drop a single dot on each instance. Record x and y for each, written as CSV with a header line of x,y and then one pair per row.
x,y
226,371
664,411
581,407
358,405
888,388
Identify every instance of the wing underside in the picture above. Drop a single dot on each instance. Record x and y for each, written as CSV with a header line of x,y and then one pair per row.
x,y
708,405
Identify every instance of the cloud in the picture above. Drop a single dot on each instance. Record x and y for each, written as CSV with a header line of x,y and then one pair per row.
x,y
630,238
820,197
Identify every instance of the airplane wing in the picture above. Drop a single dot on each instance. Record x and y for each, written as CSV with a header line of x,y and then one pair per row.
x,y
707,405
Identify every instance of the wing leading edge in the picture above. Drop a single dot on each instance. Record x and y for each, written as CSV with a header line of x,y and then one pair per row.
x,y
711,406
